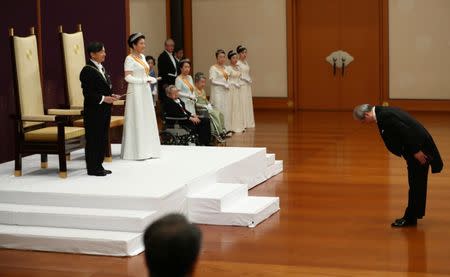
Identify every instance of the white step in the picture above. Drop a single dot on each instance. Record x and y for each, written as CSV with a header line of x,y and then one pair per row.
x,y
270,159
93,242
249,211
216,197
274,169
79,218
146,202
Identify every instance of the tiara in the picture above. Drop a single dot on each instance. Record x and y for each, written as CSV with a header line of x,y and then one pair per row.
x,y
135,36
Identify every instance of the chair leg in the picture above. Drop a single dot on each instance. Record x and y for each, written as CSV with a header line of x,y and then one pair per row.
x,y
62,152
62,165
18,164
108,154
44,161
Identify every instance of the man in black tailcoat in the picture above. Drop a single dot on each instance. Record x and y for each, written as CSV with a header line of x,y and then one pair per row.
x,y
98,98
174,107
167,68
405,137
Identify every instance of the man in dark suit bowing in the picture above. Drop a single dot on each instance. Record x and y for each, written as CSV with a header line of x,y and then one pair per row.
x,y
174,107
167,68
97,108
405,137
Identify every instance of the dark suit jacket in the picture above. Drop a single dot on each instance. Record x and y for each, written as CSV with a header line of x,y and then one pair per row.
x,y
172,109
404,136
94,87
165,66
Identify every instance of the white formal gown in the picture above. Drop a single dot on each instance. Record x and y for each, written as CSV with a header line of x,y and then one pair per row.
x,y
220,93
246,94
140,138
187,95
237,107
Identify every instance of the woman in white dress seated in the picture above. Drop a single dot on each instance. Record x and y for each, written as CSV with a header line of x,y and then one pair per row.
x,y
237,108
216,117
140,138
220,88
185,84
246,87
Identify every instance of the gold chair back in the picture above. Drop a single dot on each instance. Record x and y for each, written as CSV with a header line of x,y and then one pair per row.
x,y
74,61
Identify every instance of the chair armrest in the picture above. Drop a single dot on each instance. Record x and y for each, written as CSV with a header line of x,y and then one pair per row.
x,y
76,107
64,112
119,103
175,118
39,118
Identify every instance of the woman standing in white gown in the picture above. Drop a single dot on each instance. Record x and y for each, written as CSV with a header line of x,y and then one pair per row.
x,y
140,138
237,108
220,88
246,88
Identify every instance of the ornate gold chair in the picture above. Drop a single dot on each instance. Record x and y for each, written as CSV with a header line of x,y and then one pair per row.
x,y
72,46
37,132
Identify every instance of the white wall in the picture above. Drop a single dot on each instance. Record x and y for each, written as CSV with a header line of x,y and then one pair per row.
x,y
419,49
260,25
149,18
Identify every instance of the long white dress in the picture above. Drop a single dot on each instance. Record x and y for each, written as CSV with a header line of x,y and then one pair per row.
x,y
140,139
237,107
220,92
187,95
246,93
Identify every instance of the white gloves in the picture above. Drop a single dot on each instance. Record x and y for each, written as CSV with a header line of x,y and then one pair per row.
x,y
217,83
248,80
134,80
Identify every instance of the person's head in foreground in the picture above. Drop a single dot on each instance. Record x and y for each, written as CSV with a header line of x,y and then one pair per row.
x,y
364,113
172,246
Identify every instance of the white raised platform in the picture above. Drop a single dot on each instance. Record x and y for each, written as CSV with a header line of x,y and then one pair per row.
x,y
107,215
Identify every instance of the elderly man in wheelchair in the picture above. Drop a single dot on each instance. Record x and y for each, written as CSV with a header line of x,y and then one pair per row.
x,y
180,126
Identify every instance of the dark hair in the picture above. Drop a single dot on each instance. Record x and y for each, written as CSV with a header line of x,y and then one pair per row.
x,y
133,39
94,47
220,51
198,76
172,245
231,53
183,61
240,49
147,58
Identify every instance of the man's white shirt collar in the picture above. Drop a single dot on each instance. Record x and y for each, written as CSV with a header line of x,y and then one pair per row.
x,y
100,67
172,58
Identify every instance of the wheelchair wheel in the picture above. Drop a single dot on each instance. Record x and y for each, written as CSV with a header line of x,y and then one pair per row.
x,y
167,138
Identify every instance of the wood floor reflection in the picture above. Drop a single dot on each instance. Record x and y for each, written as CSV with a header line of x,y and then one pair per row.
x,y
339,192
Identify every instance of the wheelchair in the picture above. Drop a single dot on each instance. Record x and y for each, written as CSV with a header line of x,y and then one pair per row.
x,y
174,133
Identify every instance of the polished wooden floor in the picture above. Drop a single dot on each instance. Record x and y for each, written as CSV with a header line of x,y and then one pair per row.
x,y
339,192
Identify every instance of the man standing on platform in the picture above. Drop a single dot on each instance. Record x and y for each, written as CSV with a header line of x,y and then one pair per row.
x,y
97,108
405,137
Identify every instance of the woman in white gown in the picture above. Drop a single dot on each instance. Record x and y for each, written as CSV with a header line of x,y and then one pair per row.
x,y
237,108
246,88
140,138
185,84
220,88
